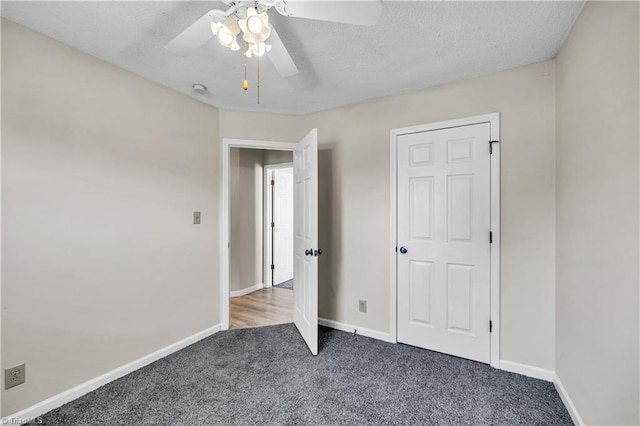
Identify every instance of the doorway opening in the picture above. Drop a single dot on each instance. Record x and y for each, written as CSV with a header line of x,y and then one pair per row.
x,y
278,224
261,237
305,231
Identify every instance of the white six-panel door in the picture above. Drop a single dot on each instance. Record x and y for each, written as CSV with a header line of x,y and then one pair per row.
x,y
282,236
443,240
305,289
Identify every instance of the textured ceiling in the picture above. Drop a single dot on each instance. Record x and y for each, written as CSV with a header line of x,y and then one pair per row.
x,y
415,45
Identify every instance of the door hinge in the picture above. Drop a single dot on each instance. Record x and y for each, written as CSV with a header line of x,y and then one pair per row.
x,y
273,224
491,146
273,182
490,237
490,326
273,266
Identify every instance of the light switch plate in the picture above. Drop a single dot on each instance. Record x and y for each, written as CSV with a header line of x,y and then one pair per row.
x,y
196,218
362,305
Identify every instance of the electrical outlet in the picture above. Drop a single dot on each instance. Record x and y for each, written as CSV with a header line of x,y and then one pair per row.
x,y
14,376
362,305
196,218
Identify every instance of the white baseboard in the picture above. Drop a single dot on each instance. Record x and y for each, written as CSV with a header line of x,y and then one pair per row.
x,y
374,334
573,412
247,290
527,370
93,384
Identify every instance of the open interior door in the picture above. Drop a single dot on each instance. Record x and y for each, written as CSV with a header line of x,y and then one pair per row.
x,y
305,247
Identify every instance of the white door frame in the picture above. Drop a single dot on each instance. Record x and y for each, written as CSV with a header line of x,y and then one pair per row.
x,y
225,205
494,121
267,214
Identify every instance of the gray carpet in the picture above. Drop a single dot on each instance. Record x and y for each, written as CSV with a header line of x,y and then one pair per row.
x,y
267,376
286,284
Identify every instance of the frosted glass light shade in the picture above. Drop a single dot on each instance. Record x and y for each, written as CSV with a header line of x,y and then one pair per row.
x,y
254,31
227,32
257,50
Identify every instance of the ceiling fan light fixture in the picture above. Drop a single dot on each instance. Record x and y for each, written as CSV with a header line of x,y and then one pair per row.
x,y
227,32
255,27
231,24
257,49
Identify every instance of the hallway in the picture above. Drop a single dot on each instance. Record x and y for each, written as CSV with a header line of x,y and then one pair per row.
x,y
269,306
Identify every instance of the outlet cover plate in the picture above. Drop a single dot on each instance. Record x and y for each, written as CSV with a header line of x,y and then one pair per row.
x,y
14,376
196,218
362,305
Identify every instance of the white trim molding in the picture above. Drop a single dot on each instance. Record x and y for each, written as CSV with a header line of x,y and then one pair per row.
x,y
76,392
494,122
244,291
571,408
527,370
225,204
361,331
549,376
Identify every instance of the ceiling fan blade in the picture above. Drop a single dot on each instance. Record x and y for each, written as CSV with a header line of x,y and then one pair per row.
x,y
362,12
280,57
194,36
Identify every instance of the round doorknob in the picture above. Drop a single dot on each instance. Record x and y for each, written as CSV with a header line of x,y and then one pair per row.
x,y
307,252
403,250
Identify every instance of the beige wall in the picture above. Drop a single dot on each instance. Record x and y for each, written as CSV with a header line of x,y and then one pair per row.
x,y
246,218
597,214
261,126
101,171
276,157
354,201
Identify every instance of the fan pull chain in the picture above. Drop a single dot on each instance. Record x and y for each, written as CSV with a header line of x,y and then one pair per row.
x,y
258,86
245,84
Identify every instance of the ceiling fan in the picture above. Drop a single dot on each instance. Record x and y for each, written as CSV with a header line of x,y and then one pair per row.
x,y
245,26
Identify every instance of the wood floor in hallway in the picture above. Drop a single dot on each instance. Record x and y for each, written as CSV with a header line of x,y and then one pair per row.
x,y
269,306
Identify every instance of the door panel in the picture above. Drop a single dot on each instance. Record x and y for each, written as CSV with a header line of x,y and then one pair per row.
x,y
420,291
305,177
421,205
459,210
444,224
459,294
